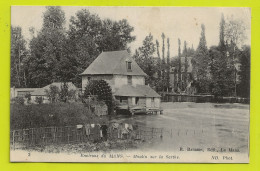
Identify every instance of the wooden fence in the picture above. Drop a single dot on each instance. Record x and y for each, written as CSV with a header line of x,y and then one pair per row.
x,y
25,138
167,97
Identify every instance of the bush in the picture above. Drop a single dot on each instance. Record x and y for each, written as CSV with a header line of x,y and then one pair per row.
x,y
19,100
39,100
53,93
28,97
103,91
53,114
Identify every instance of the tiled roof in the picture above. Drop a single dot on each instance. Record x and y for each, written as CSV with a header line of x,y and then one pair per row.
x,y
113,62
136,91
41,91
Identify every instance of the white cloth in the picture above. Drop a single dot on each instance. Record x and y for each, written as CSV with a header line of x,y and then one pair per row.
x,y
79,126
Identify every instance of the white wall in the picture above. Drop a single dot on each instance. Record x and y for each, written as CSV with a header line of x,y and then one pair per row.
x,y
119,81
157,102
115,81
108,78
138,80
148,102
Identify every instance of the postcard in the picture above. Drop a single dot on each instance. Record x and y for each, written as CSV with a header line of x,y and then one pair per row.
x,y
130,84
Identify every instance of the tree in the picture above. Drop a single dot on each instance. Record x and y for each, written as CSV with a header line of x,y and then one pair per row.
x,y
103,91
159,62
53,93
179,65
244,73
201,64
145,58
168,65
88,36
39,99
18,58
185,76
220,72
64,92
46,49
163,66
235,35
235,30
222,32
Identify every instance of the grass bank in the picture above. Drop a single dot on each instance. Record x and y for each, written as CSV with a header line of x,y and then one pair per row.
x,y
56,114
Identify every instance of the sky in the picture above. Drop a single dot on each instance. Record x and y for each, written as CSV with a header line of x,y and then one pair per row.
x,y
175,22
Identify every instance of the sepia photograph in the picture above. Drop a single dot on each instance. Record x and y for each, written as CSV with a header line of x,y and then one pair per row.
x,y
130,84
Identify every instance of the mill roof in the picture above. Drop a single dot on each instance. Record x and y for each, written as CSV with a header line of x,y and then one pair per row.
x,y
136,91
113,62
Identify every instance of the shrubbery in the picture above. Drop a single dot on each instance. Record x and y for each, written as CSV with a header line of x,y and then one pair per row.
x,y
103,91
55,94
56,114
39,100
19,100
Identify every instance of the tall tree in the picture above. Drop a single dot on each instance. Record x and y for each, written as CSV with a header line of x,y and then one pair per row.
x,y
185,76
220,73
88,36
159,62
168,65
179,65
145,59
221,67
163,61
18,58
201,63
47,49
244,73
222,32
235,35
235,30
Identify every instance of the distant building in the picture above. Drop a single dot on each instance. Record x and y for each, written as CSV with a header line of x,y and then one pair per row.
x,y
39,92
21,92
125,77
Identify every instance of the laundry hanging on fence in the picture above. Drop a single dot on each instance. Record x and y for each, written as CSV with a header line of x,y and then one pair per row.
x,y
130,127
87,128
79,126
104,131
115,125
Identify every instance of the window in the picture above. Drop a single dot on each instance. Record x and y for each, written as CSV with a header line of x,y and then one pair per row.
x,y
123,98
22,93
89,78
129,79
152,99
129,65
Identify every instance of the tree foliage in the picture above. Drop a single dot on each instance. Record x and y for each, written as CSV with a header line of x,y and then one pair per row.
x,y
53,93
244,73
185,65
144,58
18,58
103,91
201,63
46,50
221,81
57,54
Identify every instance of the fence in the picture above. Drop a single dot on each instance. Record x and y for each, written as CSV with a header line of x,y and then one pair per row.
x,y
167,97
25,138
